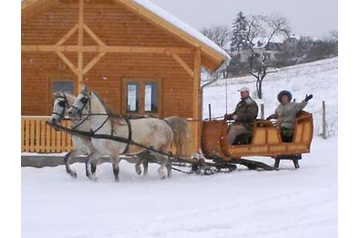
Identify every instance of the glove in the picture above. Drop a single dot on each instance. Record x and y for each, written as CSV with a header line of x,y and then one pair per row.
x,y
308,97
268,118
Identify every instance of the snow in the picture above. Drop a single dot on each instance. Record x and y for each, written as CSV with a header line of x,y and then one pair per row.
x,y
286,203
319,78
271,204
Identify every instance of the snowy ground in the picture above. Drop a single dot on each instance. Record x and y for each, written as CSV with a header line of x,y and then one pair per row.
x,y
287,203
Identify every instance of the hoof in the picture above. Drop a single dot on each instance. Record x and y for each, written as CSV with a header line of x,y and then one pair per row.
x,y
73,174
138,171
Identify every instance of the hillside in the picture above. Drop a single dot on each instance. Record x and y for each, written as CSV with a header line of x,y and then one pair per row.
x,y
319,78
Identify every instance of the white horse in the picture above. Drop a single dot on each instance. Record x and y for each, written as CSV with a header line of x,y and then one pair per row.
x,y
82,145
153,133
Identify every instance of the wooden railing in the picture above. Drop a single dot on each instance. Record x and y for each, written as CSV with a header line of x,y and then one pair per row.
x,y
38,137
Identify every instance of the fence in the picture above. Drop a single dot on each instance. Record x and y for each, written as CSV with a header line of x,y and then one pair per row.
x,y
37,136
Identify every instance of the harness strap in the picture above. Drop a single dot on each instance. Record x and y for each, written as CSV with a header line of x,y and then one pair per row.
x,y
130,141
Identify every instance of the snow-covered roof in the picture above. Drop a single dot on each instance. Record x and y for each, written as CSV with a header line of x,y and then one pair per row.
x,y
181,25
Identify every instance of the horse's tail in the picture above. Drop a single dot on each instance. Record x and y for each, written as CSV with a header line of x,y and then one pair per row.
x,y
180,130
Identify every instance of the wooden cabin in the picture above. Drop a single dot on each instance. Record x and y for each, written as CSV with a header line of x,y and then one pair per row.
x,y
139,58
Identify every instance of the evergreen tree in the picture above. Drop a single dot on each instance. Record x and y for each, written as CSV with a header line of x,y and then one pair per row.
x,y
239,33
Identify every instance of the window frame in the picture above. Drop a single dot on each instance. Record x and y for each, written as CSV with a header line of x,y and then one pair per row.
x,y
141,81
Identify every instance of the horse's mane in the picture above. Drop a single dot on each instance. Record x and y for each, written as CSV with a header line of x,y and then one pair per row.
x,y
114,118
106,108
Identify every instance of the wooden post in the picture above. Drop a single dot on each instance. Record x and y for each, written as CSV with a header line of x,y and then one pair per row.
x,y
80,45
209,112
197,114
324,132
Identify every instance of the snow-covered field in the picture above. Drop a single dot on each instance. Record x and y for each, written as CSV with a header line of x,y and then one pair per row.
x,y
286,203
319,78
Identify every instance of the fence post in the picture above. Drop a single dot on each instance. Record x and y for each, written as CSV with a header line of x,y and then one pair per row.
x,y
262,108
209,112
324,132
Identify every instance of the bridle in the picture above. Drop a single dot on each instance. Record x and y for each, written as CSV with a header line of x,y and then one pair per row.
x,y
63,105
86,100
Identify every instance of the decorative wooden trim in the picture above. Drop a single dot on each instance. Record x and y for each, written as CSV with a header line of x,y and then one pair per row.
x,y
183,64
67,35
80,44
109,49
93,35
67,62
93,62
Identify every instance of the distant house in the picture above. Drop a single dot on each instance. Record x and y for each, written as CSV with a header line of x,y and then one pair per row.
x,y
274,50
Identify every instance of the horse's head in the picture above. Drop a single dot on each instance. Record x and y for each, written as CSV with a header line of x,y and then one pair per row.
x,y
80,104
59,107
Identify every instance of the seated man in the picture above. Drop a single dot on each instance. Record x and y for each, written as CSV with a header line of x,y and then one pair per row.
x,y
286,112
244,116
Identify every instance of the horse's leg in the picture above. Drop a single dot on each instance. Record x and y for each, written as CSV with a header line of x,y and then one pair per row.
x,y
67,160
91,165
138,168
163,163
168,163
142,159
145,166
115,164
169,167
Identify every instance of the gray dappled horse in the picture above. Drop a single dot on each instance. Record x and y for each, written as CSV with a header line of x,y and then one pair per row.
x,y
82,145
149,132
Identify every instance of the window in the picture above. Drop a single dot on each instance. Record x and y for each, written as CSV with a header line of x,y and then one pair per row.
x,y
151,97
141,96
132,97
63,86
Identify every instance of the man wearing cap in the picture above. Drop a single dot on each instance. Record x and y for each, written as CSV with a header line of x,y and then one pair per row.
x,y
244,115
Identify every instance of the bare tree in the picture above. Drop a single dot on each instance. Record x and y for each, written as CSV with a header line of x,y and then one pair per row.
x,y
263,28
220,35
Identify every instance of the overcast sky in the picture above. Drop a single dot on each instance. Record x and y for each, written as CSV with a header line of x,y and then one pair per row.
x,y
315,18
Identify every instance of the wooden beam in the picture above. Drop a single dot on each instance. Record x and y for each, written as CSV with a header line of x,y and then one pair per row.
x,y
184,65
93,62
93,35
67,35
197,100
80,44
108,49
67,62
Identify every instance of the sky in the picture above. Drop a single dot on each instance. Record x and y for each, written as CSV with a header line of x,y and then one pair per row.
x,y
315,18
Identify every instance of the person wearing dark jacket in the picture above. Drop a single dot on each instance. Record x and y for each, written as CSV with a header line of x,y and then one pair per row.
x,y
244,116
286,113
